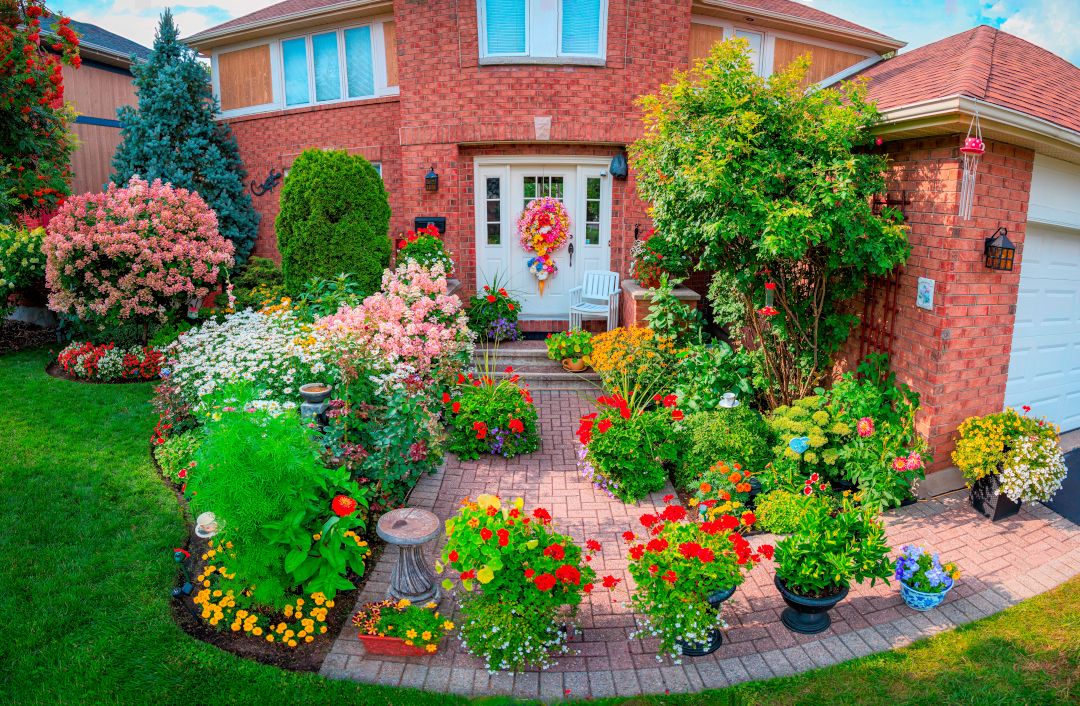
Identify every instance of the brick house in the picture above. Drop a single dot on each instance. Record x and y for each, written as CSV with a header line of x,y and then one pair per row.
x,y
503,99
506,99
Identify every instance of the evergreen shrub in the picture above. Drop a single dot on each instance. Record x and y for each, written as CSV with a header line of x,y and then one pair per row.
x,y
334,218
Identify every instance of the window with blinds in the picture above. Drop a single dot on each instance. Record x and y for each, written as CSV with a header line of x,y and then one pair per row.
x,y
542,28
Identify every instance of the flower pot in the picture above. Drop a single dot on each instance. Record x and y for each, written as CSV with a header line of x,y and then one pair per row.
x,y
987,498
315,392
920,600
574,365
391,646
807,616
699,649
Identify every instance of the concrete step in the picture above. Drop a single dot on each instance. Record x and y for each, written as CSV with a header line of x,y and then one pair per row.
x,y
538,371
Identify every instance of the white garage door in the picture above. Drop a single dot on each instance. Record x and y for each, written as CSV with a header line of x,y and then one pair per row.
x,y
1044,371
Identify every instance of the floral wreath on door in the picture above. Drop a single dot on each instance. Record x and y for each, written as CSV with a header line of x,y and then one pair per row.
x,y
543,227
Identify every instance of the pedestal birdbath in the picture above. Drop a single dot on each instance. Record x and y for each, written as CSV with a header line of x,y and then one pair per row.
x,y
409,529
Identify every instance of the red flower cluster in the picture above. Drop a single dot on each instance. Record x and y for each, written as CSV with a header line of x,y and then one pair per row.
x,y
543,515
516,426
584,431
555,551
615,402
481,429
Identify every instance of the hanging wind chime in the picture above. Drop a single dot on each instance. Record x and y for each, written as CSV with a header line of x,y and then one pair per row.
x,y
973,149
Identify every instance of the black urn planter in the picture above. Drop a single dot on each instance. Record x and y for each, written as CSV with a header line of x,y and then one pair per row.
x,y
807,616
986,497
700,649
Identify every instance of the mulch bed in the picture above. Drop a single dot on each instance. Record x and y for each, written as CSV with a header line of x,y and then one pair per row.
x,y
17,335
53,369
306,656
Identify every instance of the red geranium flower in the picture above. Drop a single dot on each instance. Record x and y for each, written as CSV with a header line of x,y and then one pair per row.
x,y
766,550
491,298
542,515
690,549
637,551
343,505
485,533
668,498
706,555
673,513
648,520
457,407
611,582
748,518
471,573
529,573
629,536
670,401
445,397
587,588
481,429
677,415
568,573
555,551
727,522
516,426
657,545
545,582
670,576
653,569
592,545
603,426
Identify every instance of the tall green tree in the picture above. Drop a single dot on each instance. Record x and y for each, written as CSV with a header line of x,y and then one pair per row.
x,y
173,136
768,183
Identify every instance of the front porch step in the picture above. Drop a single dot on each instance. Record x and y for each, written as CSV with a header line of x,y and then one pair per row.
x,y
536,369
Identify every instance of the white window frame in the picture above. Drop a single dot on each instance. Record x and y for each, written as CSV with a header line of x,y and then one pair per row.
x,y
598,59
277,67
769,37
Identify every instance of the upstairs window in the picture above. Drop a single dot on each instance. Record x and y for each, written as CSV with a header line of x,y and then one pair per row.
x,y
542,29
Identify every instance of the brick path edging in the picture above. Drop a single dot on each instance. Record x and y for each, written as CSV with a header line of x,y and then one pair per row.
x,y
1054,559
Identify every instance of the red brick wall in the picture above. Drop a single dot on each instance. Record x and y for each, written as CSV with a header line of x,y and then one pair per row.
x,y
957,355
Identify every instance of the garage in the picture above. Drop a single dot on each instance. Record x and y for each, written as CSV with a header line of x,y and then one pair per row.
x,y
1044,370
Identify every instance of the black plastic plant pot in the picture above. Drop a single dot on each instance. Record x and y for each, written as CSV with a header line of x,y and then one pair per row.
x,y
700,649
987,498
807,616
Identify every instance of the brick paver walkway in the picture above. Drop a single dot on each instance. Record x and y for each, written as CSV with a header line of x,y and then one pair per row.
x,y
1003,564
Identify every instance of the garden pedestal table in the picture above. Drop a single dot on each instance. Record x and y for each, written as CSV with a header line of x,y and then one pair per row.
x,y
409,529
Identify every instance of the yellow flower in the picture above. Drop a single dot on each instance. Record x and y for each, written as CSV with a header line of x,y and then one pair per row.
x,y
280,628
447,625
409,642
485,501
292,643
329,604
269,638
235,627
430,604
410,633
473,522
288,634
404,603
322,629
432,648
299,615
299,601
426,635
309,638
316,537
217,594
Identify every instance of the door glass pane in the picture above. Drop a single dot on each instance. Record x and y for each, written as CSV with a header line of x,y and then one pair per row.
x,y
294,58
538,186
327,70
493,212
505,26
581,27
755,45
359,69
592,211
556,188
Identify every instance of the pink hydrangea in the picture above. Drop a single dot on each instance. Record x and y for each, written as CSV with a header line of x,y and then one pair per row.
x,y
133,252
411,321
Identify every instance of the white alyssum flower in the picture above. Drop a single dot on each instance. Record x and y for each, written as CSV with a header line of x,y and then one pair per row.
x,y
1033,470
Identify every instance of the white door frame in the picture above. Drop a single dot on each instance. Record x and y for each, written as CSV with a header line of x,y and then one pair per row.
x,y
490,166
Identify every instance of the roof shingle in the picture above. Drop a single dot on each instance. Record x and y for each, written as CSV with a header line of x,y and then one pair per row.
x,y
281,9
805,12
986,64
92,34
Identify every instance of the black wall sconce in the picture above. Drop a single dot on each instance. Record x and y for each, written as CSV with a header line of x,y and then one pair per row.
x,y
999,251
431,181
618,166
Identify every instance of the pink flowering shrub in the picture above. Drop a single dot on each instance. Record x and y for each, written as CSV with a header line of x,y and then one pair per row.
x,y
133,253
412,321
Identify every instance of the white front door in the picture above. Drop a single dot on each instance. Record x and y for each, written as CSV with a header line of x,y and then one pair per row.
x,y
503,191
1044,367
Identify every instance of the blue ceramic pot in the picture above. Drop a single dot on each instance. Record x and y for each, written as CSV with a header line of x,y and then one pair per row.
x,y
923,601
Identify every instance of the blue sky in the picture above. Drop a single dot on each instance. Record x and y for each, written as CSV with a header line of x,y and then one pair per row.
x,y
1052,24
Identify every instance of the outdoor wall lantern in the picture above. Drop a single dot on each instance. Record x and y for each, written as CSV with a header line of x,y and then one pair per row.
x,y
431,181
999,251
618,167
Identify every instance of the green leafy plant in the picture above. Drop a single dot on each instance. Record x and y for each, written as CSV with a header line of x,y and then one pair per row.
x,y
321,297
735,436
22,263
526,572
176,455
678,565
779,510
673,320
628,445
574,344
320,532
722,489
653,258
334,218
808,418
258,283
492,416
170,331
426,247
832,548
493,312
422,627
706,371
756,176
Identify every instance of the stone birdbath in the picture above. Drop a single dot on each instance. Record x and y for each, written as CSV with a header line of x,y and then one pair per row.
x,y
315,405
409,529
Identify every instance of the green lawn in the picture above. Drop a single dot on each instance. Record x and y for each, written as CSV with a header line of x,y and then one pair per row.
x,y
86,572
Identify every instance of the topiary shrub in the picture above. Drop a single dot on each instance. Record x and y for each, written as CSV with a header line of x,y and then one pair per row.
x,y
334,218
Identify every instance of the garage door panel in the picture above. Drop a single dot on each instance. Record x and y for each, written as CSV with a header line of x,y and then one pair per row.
x,y
1044,367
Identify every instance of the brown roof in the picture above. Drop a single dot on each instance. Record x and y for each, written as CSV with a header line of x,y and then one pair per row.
x,y
281,9
804,12
986,64
784,7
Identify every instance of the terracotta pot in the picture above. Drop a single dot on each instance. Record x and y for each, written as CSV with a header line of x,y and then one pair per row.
x,y
391,646
574,365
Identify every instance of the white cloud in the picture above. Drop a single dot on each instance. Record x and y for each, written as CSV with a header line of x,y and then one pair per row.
x,y
1053,25
141,28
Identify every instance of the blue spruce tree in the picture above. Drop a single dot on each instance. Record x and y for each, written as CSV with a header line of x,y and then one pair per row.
x,y
173,136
